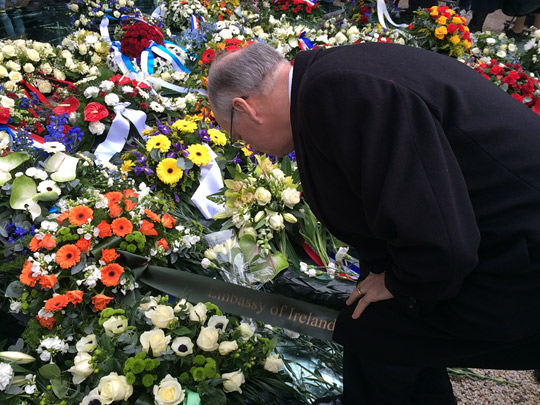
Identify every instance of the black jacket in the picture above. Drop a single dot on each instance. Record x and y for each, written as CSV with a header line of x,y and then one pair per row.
x,y
433,174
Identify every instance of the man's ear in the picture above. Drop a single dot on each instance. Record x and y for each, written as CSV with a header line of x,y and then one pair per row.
x,y
244,106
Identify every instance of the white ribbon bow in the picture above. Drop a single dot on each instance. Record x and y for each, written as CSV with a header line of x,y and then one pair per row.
x,y
382,14
211,182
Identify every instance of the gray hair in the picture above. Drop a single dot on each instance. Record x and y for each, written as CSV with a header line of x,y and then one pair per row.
x,y
239,74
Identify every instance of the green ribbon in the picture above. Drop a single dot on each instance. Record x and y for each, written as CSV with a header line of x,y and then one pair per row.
x,y
192,398
299,316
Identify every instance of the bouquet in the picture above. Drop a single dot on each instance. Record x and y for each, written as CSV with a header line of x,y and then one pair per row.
x,y
440,29
488,46
87,46
88,13
177,15
530,59
511,78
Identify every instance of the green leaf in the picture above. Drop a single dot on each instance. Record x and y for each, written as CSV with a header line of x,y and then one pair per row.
x,y
60,387
15,289
10,162
155,155
47,196
50,371
184,164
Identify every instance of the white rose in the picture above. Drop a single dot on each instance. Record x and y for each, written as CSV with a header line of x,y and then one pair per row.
x,y
32,54
46,68
501,54
81,367
226,34
160,316
207,339
122,3
115,325
15,76
44,86
152,302
166,76
83,49
340,38
91,91
290,197
273,363
156,340
263,196
205,263
28,68
117,14
59,75
3,71
182,346
275,221
491,41
198,313
13,66
73,7
114,387
96,127
511,48
95,59
245,330
87,343
8,50
227,347
112,99
168,392
7,102
233,381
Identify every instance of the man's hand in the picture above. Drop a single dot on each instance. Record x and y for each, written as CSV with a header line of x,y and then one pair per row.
x,y
371,289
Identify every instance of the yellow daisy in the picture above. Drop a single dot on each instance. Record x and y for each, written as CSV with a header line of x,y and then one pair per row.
x,y
184,126
198,154
160,142
218,137
168,171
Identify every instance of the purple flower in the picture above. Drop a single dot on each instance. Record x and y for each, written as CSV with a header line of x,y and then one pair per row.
x,y
203,134
236,159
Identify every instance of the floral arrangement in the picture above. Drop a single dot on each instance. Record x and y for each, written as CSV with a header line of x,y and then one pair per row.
x,y
442,30
294,9
138,36
514,80
177,13
260,201
87,46
530,59
219,10
88,13
489,45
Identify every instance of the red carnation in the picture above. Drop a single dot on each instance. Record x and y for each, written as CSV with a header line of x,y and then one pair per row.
x,y
95,111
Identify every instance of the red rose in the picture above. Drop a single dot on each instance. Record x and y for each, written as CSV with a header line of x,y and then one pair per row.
x,y
496,70
67,106
4,115
95,111
451,28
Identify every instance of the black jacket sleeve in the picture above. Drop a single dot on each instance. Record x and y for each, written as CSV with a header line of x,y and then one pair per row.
x,y
395,157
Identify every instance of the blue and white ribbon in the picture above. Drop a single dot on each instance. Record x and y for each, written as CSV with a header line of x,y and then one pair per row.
x,y
211,182
382,14
119,131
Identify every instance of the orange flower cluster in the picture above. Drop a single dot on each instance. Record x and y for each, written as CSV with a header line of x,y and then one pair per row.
x,y
118,202
45,281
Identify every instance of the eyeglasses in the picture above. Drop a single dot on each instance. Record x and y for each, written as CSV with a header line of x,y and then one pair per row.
x,y
232,118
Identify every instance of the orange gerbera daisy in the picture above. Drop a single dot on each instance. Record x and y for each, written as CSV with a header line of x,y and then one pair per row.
x,y
129,205
47,242
147,228
48,281
80,215
26,275
75,296
109,255
56,303
100,302
104,229
152,215
129,192
110,274
121,227
46,322
68,256
115,210
34,244
113,197
167,221
62,217
84,245
163,243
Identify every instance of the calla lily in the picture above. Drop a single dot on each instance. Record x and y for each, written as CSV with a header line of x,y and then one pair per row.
x,y
8,163
24,196
17,357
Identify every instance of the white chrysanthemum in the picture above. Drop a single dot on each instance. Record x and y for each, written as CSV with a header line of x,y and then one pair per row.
x,y
36,173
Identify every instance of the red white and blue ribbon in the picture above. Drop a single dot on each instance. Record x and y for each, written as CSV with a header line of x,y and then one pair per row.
x,y
196,21
310,2
305,43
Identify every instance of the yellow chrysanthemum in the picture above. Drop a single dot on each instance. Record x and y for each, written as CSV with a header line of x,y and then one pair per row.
x,y
160,142
454,39
168,171
440,32
441,20
198,154
127,165
184,126
218,137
